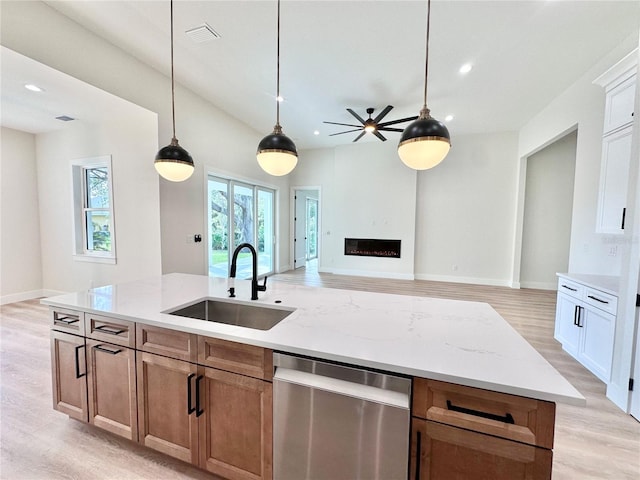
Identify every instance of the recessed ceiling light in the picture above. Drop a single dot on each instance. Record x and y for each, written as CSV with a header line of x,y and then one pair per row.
x,y
33,88
448,118
280,98
466,68
316,132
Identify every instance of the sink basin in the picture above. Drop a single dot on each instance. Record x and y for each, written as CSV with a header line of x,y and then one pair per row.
x,y
232,313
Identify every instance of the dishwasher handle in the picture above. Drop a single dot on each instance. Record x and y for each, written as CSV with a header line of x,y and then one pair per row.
x,y
342,387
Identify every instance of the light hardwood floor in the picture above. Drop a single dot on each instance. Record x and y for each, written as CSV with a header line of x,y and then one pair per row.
x,y
36,442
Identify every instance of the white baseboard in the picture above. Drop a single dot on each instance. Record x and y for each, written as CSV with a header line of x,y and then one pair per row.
x,y
367,273
540,285
470,280
20,297
52,293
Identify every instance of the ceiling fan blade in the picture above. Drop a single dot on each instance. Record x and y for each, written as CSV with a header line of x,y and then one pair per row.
x,y
348,131
393,122
391,129
344,124
379,135
382,114
359,136
356,115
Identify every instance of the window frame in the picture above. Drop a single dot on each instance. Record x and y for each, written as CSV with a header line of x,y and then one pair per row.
x,y
81,251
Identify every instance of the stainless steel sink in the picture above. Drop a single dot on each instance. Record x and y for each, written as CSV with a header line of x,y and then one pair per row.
x,y
233,313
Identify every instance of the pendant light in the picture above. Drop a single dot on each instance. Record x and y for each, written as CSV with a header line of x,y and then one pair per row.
x,y
277,153
173,162
425,142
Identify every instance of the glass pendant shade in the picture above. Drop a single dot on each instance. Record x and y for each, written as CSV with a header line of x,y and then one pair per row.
x,y
277,154
174,163
424,143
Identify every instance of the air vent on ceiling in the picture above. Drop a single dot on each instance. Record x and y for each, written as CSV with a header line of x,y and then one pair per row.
x,y
202,33
65,118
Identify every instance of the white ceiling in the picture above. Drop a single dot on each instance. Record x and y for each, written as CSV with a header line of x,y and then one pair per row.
x,y
359,54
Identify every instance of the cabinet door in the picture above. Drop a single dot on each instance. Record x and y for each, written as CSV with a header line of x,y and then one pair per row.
x,y
614,178
111,382
236,425
596,349
620,104
567,331
69,375
166,418
443,452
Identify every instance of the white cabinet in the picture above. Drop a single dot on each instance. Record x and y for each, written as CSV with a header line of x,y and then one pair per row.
x,y
619,83
585,325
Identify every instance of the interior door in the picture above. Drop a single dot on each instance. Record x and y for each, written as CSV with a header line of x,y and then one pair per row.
x,y
300,245
635,394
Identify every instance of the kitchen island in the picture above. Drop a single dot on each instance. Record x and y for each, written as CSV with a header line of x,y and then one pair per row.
x,y
447,347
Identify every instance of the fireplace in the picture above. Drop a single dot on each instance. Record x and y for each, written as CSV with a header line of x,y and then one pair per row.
x,y
369,247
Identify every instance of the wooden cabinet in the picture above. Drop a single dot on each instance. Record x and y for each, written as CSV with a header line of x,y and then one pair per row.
x,y
68,374
585,325
236,425
111,385
460,432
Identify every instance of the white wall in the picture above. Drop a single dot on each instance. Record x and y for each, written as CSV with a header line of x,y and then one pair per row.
x,y
465,211
135,193
366,193
548,205
212,137
20,264
582,105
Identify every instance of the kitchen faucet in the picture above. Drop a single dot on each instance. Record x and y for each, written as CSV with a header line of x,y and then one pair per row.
x,y
255,288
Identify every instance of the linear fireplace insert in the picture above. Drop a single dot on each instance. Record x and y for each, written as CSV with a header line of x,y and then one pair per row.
x,y
371,247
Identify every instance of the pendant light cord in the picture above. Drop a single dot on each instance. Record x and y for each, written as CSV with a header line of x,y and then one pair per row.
x,y
173,104
426,62
278,72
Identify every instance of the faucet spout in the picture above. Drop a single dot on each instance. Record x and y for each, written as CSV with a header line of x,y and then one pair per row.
x,y
254,265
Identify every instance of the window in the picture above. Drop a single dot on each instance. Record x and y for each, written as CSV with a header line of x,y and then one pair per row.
x,y
250,215
94,238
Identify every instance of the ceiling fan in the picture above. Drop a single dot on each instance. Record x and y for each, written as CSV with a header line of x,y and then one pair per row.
x,y
372,125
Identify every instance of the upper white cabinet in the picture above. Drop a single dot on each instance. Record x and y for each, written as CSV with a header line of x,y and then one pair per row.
x,y
619,83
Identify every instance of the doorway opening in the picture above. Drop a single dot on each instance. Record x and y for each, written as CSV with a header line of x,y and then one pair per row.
x,y
306,228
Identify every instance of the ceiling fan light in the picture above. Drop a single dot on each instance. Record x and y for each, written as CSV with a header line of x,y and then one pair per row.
x,y
277,154
369,128
174,163
424,143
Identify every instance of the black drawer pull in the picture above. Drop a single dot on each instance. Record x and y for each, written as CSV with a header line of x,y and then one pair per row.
x,y
569,288
190,409
106,350
624,214
78,374
418,454
199,411
575,315
109,330
505,419
597,299
67,320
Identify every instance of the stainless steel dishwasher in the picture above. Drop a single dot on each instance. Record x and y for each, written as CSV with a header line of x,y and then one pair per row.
x,y
333,422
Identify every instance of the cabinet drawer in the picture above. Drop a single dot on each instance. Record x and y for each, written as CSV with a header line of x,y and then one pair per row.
x,y
508,416
112,330
570,288
166,342
235,357
601,300
68,321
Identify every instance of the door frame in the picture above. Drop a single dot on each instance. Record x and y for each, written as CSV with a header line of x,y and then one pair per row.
x,y
292,223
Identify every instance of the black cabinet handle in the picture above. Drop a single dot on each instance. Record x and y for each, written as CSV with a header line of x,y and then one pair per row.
x,y
199,411
579,323
190,409
624,214
106,350
418,454
491,416
109,330
78,375
597,299
67,320
575,315
569,288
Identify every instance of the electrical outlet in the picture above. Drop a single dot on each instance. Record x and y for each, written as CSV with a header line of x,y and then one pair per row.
x,y
613,251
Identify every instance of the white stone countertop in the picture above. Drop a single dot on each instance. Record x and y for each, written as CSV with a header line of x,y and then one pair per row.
x,y
607,283
454,341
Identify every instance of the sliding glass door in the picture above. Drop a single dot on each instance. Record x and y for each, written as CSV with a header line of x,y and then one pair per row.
x,y
248,218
